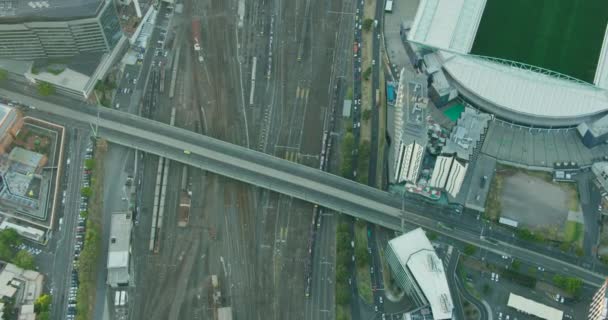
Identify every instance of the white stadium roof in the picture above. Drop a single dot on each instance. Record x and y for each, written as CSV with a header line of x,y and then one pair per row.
x,y
524,91
451,25
415,251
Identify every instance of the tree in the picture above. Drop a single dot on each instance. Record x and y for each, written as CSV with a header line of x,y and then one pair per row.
x,y
516,265
45,88
9,312
46,315
86,192
361,256
571,285
342,294
341,273
367,114
431,235
42,304
486,288
89,164
10,237
24,259
367,24
470,249
3,74
348,145
367,73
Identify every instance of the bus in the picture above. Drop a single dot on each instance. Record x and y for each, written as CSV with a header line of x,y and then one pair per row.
x,y
389,6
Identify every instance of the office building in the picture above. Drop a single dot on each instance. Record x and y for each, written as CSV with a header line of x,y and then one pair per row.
x,y
31,30
598,310
420,273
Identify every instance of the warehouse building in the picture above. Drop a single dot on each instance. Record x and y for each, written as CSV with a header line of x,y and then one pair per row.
x,y
419,271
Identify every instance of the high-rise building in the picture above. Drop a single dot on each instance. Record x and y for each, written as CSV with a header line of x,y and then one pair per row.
x,y
419,272
54,29
598,310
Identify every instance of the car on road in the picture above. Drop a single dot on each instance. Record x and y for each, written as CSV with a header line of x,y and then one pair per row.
x,y
381,300
376,308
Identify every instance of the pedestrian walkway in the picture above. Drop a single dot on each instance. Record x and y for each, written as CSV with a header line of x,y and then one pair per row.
x,y
403,11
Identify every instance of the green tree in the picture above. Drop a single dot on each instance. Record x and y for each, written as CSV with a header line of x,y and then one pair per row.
x,y
45,88
367,24
341,273
43,303
367,114
46,315
367,73
431,235
571,285
342,294
24,259
86,191
9,312
10,237
516,265
486,288
361,256
348,145
89,164
470,249
3,74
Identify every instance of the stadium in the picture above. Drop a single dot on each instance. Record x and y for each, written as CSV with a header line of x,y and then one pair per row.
x,y
541,63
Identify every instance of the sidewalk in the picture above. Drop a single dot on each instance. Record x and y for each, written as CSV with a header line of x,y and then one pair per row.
x,y
403,11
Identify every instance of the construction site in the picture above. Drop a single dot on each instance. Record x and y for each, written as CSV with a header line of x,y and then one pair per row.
x,y
262,75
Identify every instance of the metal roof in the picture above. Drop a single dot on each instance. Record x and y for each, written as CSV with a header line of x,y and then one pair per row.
x,y
447,24
525,91
534,308
415,251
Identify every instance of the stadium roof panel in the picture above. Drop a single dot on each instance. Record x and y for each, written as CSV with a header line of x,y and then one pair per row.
x,y
40,10
524,91
447,24
415,251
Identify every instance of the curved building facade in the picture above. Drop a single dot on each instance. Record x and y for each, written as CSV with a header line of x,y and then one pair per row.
x,y
37,30
511,90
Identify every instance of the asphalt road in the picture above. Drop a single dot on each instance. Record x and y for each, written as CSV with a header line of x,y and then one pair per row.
x,y
64,236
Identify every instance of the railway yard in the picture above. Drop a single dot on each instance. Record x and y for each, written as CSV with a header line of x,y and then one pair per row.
x,y
264,78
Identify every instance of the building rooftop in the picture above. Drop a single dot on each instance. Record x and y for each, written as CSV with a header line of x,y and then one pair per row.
x,y
415,252
448,24
534,308
118,256
25,157
13,11
467,132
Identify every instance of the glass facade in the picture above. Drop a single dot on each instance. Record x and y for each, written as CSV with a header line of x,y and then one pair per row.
x,y
110,25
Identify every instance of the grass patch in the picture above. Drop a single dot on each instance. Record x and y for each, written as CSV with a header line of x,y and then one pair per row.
x,y
364,281
561,35
342,313
573,232
571,190
87,263
493,204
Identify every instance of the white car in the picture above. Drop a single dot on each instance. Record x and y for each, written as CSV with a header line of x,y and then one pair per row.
x,y
381,300
497,277
493,276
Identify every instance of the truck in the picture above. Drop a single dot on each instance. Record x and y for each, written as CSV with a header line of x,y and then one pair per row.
x,y
196,34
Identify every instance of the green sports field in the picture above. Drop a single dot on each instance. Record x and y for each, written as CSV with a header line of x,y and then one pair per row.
x,y
561,35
